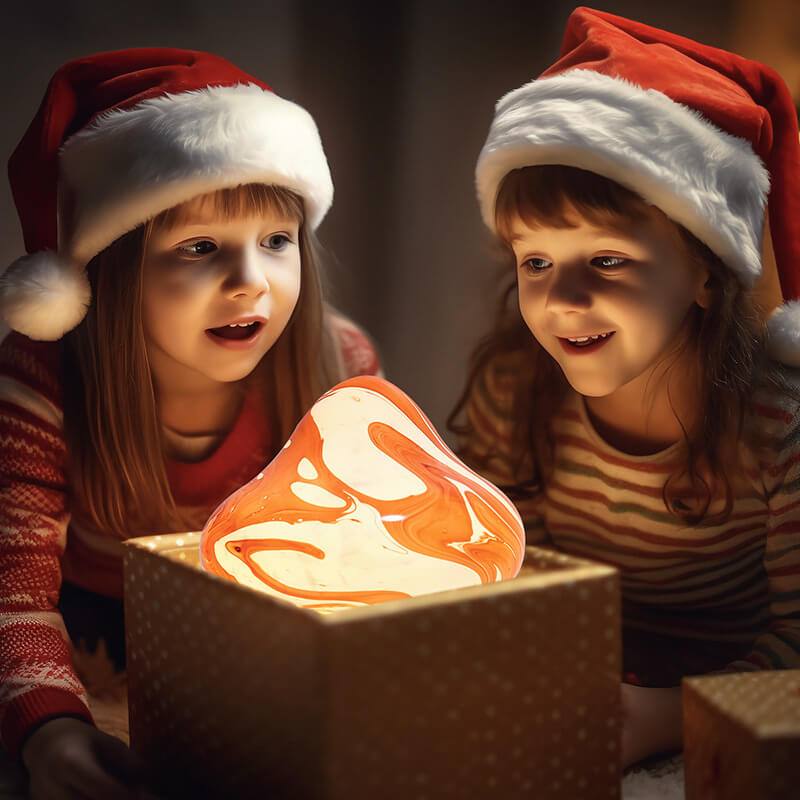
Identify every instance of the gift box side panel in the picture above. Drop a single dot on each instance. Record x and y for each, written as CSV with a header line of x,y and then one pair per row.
x,y
224,695
510,692
720,756
742,734
779,768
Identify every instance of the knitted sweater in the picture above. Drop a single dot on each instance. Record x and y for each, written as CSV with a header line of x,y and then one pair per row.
x,y
737,582
43,539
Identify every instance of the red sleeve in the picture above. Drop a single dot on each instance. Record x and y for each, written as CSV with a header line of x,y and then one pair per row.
x,y
37,680
358,353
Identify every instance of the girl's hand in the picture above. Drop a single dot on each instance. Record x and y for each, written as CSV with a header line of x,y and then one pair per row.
x,y
652,722
68,759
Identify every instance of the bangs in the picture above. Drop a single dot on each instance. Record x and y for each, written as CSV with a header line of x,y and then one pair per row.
x,y
250,199
543,194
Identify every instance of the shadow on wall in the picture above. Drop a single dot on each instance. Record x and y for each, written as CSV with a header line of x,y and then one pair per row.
x,y
403,92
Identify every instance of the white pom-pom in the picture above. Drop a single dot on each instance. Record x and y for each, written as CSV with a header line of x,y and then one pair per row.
x,y
784,334
44,296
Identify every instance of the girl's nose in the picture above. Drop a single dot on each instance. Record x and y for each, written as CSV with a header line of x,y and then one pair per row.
x,y
246,276
569,290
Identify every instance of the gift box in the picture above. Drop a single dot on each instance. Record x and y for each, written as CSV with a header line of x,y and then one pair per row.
x,y
507,689
742,736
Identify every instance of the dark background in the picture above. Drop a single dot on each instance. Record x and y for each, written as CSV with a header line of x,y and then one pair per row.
x,y
403,94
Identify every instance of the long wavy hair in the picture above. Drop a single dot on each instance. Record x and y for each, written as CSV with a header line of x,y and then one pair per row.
x,y
728,336
116,447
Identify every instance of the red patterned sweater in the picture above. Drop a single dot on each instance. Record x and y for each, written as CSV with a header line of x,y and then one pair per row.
x,y
41,538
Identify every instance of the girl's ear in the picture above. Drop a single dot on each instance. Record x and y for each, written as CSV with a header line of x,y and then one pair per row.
x,y
705,290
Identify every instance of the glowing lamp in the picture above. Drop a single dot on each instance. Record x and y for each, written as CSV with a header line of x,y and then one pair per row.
x,y
365,503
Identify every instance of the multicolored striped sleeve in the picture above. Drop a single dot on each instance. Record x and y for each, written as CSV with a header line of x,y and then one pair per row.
x,y
779,646
487,448
37,680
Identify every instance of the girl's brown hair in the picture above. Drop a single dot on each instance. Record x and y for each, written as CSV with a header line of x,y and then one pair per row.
x,y
728,337
116,464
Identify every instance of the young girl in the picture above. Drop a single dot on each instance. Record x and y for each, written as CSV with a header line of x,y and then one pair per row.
x,y
170,333
651,420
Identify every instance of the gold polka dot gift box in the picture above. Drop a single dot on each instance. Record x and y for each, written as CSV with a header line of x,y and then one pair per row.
x,y
506,690
742,736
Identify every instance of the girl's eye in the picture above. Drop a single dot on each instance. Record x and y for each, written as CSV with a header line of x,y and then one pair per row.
x,y
277,241
535,264
608,262
201,247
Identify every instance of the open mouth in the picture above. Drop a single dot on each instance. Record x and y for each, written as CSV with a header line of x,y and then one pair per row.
x,y
237,331
584,342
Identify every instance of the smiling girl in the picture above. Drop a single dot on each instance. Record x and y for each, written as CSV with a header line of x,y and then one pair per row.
x,y
169,332
636,404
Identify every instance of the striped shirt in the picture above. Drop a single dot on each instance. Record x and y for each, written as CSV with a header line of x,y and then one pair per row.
x,y
43,537
737,582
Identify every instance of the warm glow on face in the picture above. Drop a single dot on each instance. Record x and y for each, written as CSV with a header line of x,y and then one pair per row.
x,y
217,292
364,504
608,303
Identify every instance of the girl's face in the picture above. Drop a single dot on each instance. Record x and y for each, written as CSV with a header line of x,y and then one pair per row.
x,y
607,303
217,293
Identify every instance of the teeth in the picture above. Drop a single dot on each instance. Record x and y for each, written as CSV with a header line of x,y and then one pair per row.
x,y
241,324
584,339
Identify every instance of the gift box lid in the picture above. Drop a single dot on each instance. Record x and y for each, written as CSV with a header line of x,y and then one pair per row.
x,y
765,702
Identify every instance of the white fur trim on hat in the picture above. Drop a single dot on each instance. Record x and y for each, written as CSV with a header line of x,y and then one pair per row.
x,y
43,296
707,180
130,164
783,327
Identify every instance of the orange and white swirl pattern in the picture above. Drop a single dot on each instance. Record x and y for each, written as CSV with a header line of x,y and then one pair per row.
x,y
365,503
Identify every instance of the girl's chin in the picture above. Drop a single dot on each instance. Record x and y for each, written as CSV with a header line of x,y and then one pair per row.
x,y
231,372
592,391
591,386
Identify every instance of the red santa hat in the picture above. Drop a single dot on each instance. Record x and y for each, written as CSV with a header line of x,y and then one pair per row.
x,y
707,136
122,136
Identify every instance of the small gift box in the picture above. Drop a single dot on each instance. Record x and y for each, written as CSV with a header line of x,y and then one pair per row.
x,y
506,689
742,736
